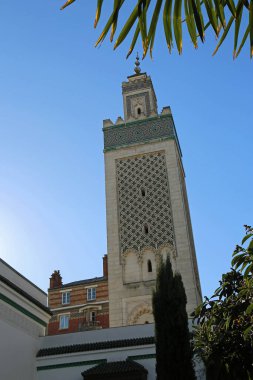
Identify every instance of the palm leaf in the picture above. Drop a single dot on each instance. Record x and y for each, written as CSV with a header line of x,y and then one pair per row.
x,y
220,12
152,28
167,23
251,27
127,27
237,29
190,22
116,8
212,15
135,37
177,23
142,16
198,19
224,34
67,4
231,6
98,12
108,25
199,14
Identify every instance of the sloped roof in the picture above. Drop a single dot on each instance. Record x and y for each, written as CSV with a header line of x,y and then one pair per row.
x,y
24,294
61,350
81,282
113,368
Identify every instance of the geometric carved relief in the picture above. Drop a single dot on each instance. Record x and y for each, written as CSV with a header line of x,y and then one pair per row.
x,y
145,216
139,131
141,99
141,314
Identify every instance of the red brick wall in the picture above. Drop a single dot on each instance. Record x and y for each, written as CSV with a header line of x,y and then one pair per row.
x,y
74,325
78,296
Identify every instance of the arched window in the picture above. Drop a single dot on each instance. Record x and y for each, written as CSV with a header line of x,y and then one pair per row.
x,y
138,111
145,228
143,192
149,266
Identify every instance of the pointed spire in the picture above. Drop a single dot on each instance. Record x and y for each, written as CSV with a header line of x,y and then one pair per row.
x,y
137,69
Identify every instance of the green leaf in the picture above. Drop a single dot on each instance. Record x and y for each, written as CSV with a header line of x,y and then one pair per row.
x,y
177,23
212,15
127,27
142,16
247,332
98,12
167,23
67,4
249,309
152,28
250,247
190,22
108,24
224,34
246,237
220,12
238,260
231,6
136,34
116,8
248,270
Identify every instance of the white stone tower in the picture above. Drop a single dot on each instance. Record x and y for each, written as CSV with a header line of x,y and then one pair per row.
x,y
146,205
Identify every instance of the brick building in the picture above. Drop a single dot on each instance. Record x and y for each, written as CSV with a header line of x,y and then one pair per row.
x,y
79,305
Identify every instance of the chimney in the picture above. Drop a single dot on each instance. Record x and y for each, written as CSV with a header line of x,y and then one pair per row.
x,y
55,280
105,266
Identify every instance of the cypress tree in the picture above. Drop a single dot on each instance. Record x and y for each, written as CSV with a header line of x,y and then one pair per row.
x,y
173,350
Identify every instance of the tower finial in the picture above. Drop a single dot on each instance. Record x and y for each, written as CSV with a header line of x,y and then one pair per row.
x,y
137,69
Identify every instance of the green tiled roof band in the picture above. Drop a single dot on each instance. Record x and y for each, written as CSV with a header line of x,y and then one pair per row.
x,y
22,310
141,142
142,357
62,350
73,364
151,129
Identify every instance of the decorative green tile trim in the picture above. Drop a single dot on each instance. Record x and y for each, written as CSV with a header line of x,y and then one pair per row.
x,y
22,310
142,357
129,123
149,129
139,143
68,365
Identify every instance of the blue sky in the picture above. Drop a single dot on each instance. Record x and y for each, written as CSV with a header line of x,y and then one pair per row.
x,y
55,90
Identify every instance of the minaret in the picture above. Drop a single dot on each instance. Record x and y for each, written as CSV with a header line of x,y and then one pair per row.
x,y
146,204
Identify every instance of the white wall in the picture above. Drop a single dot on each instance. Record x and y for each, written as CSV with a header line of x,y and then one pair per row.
x,y
17,353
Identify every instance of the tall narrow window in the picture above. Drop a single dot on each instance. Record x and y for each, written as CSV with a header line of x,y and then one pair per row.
x,y
93,317
145,228
138,110
143,192
149,266
91,294
65,298
64,321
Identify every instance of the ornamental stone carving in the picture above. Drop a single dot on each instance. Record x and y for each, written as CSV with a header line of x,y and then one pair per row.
x,y
139,312
145,217
139,132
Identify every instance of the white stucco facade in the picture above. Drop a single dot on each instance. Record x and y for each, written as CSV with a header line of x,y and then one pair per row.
x,y
23,320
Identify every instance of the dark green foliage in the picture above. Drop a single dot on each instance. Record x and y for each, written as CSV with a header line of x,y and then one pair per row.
x,y
224,335
173,350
